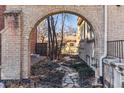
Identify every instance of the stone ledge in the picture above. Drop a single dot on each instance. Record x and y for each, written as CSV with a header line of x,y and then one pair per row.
x,y
97,85
115,63
110,60
12,12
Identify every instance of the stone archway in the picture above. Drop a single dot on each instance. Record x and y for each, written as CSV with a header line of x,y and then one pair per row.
x,y
33,34
28,18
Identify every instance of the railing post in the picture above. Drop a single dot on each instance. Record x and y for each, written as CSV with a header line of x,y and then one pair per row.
x,y
115,49
122,49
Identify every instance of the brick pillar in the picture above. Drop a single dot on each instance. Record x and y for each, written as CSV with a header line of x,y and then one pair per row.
x,y
33,41
2,9
11,46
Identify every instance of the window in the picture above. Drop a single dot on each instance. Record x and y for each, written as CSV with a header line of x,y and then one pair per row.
x,y
63,44
122,84
82,30
90,34
71,44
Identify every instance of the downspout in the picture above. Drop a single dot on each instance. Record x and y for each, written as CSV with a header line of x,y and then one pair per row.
x,y
105,41
21,47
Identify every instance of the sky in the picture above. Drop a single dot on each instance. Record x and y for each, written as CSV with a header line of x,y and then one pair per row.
x,y
71,20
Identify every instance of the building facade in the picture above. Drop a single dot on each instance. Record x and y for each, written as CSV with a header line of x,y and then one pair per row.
x,y
99,25
70,46
86,38
16,51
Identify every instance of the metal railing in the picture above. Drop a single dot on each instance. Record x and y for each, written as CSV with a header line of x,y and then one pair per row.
x,y
115,48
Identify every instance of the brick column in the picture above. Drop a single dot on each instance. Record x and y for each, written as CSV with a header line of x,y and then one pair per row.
x,y
11,46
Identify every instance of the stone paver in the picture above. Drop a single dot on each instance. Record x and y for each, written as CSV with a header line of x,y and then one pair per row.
x,y
71,78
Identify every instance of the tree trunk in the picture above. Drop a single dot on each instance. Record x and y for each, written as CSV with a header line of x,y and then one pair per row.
x,y
49,37
62,31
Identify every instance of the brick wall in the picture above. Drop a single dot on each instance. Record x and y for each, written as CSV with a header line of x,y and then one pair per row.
x,y
11,49
2,9
115,22
33,41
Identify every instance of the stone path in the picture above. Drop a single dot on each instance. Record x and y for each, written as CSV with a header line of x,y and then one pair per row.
x,y
71,78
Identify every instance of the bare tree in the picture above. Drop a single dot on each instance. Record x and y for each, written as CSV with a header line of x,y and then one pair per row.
x,y
54,42
52,38
49,36
62,30
55,46
42,33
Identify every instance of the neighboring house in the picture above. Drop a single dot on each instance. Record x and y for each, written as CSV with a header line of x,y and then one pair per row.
x,y
69,46
85,42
